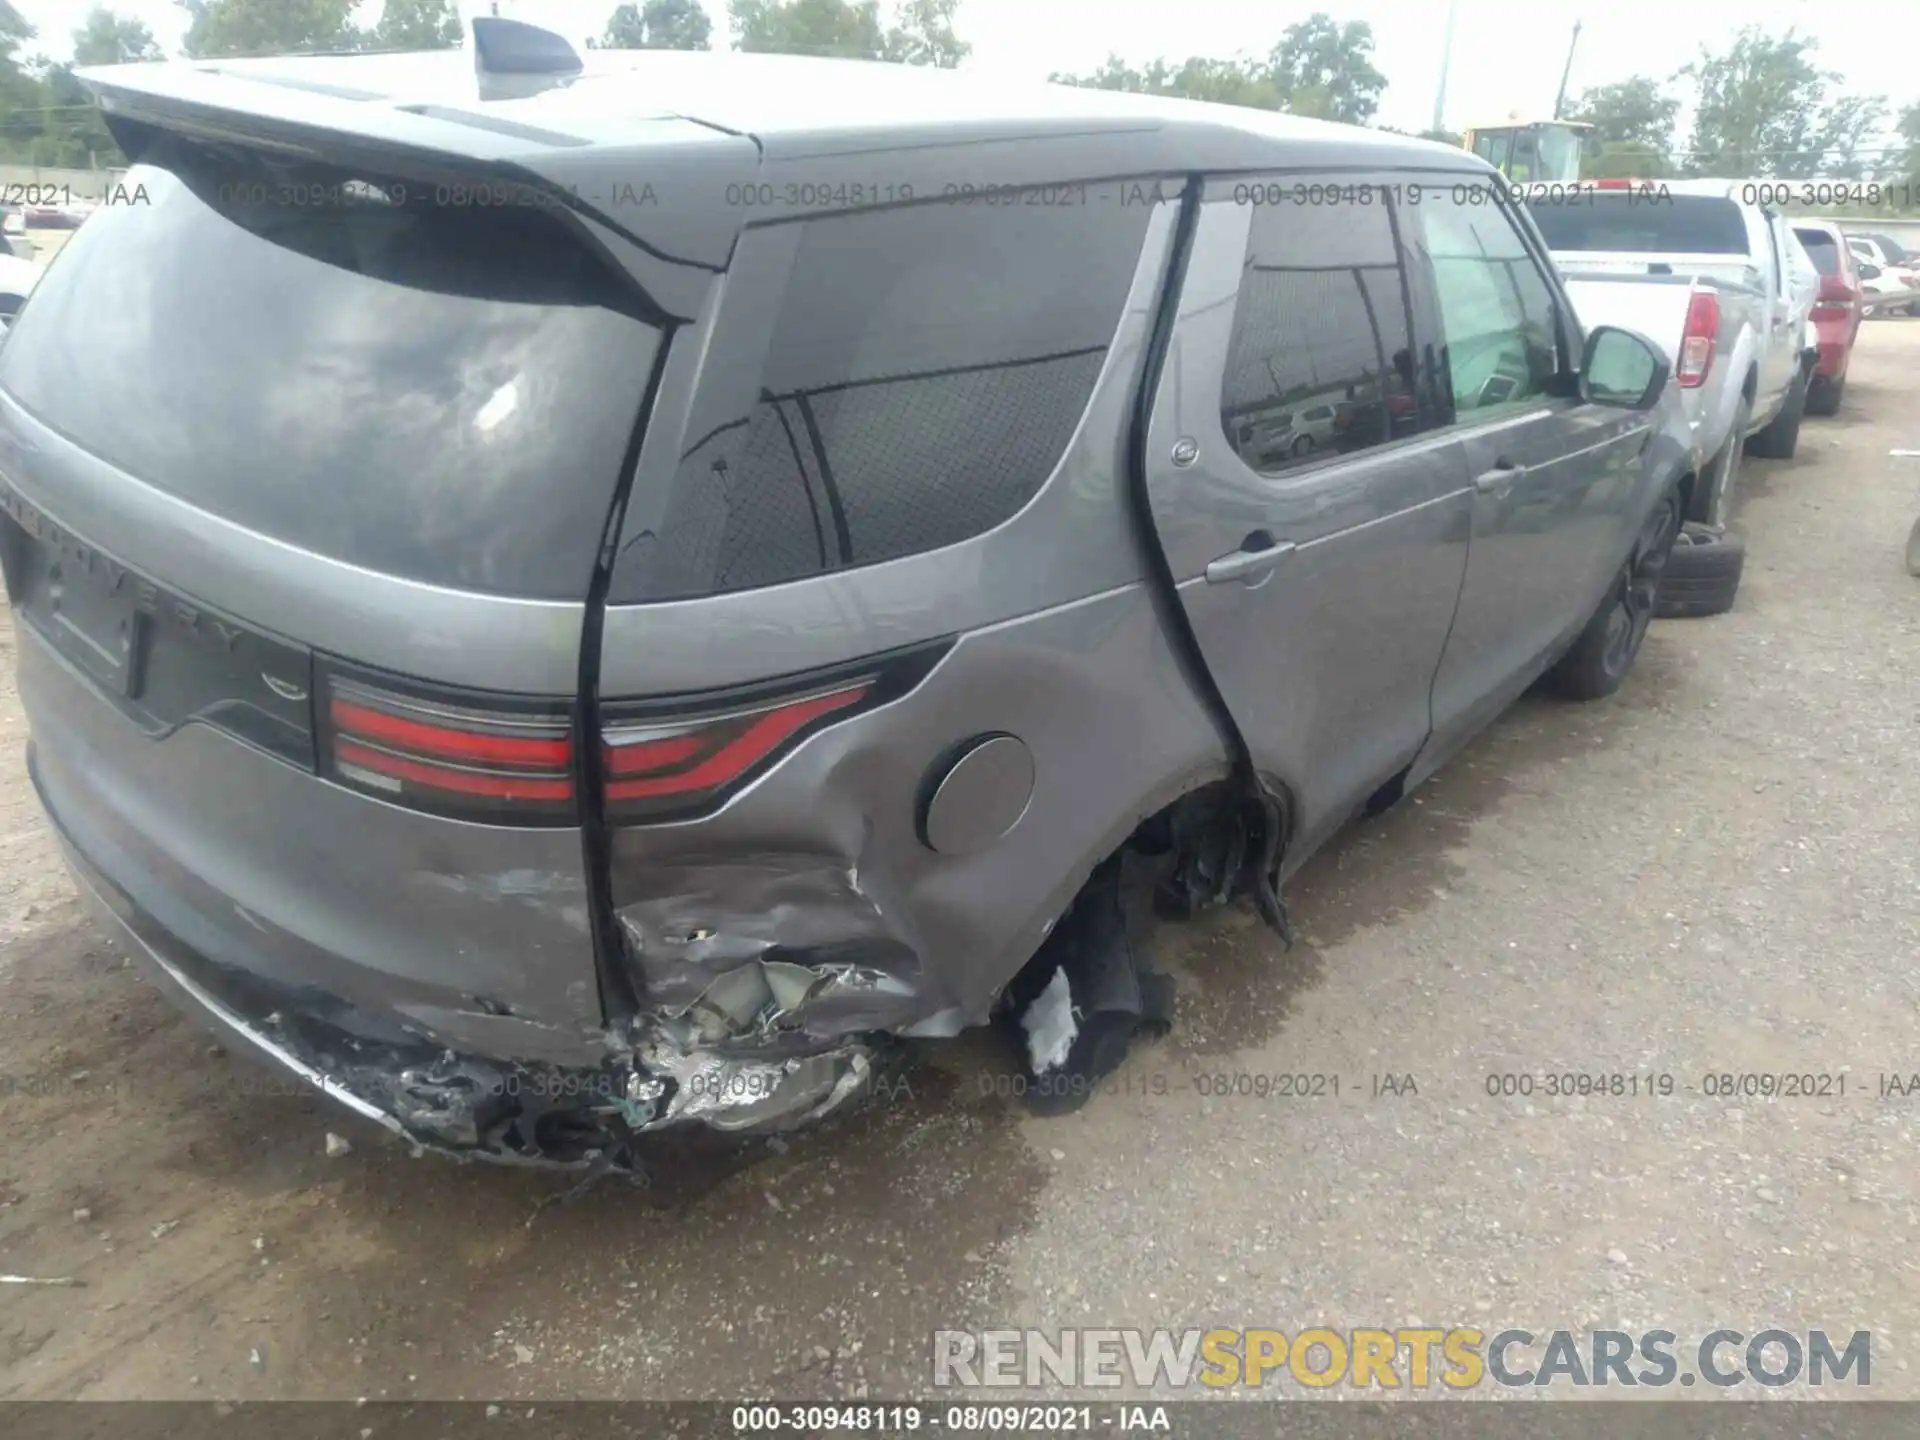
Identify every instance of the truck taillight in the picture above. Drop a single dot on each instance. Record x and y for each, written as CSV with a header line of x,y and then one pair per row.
x,y
505,762
1835,299
1697,341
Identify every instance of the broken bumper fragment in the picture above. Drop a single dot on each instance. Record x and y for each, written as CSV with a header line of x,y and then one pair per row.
x,y
764,1046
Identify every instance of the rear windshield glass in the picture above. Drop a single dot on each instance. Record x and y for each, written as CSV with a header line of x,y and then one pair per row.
x,y
437,391
1821,250
1648,223
1894,250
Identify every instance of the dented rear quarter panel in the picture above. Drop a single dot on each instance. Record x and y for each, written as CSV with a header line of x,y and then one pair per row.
x,y
1056,640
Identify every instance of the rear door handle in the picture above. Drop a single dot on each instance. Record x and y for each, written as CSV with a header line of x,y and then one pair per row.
x,y
1251,560
1499,480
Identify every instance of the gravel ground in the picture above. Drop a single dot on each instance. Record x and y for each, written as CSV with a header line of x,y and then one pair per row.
x,y
1712,872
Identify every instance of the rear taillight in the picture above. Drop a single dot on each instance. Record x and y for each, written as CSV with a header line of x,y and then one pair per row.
x,y
652,767
508,761
1835,298
677,758
1613,184
1697,341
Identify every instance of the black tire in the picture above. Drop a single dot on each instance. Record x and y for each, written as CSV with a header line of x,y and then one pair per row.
x,y
1782,435
1824,397
1703,574
1603,655
1712,498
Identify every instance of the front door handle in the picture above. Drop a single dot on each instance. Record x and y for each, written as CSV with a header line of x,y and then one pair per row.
x,y
1499,480
1253,559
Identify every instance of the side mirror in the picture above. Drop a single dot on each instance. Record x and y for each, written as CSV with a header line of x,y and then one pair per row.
x,y
1622,369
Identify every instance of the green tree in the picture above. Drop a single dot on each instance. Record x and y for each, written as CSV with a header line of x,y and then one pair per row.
x,y
1319,68
1906,165
1325,69
1631,111
659,25
110,39
72,132
1224,82
417,25
808,27
1763,107
267,27
21,95
1633,122
922,34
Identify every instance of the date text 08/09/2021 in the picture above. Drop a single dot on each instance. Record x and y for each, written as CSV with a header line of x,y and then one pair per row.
x,y
907,1417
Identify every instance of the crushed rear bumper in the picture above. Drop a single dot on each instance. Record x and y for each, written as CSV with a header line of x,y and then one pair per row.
x,y
574,1110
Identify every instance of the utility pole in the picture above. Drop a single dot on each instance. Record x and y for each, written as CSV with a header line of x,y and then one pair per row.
x,y
1560,100
1446,56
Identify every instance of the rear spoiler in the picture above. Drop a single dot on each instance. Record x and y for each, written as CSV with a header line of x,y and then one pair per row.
x,y
420,116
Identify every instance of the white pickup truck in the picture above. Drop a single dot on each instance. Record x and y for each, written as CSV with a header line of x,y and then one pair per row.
x,y
1723,284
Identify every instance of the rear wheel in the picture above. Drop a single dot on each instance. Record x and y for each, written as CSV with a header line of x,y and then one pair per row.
x,y
1605,652
1824,397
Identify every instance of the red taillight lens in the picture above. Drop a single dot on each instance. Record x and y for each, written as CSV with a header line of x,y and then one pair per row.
x,y
1835,299
652,767
1697,341
511,765
1613,184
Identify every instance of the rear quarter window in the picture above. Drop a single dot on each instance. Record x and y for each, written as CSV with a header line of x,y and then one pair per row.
x,y
882,384
436,391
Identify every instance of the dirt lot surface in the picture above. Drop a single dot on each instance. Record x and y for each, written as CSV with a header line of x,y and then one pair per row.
x,y
1713,872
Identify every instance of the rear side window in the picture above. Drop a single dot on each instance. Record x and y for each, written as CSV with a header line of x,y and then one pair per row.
x,y
1320,360
883,384
1821,250
1649,222
438,391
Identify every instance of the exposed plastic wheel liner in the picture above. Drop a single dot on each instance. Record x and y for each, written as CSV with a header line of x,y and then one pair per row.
x,y
1703,574
1712,498
1781,437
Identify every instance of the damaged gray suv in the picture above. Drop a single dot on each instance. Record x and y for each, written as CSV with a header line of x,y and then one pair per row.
x,y
559,599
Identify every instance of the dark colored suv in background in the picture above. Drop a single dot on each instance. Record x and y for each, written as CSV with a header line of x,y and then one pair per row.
x,y
598,599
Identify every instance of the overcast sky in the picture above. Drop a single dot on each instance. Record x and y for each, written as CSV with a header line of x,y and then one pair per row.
x,y
1506,55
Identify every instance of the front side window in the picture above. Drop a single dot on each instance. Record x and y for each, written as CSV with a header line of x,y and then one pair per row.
x,y
1320,360
1496,310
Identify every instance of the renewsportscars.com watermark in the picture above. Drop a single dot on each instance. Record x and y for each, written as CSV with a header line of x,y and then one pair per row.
x,y
1416,1359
